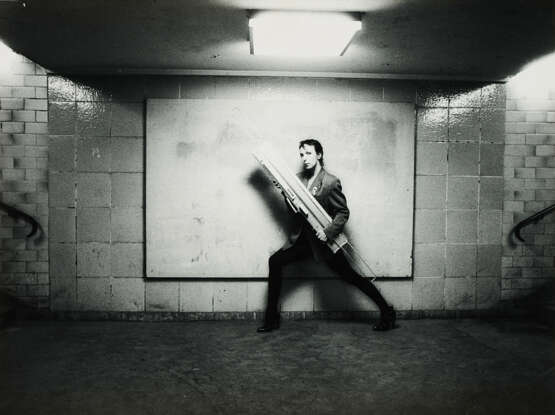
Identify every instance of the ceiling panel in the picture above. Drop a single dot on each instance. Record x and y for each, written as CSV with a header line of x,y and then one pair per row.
x,y
425,38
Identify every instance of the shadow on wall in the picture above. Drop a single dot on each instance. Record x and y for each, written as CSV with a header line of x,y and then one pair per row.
x,y
274,202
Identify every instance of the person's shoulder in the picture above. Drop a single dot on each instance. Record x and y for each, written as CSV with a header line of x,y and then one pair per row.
x,y
330,178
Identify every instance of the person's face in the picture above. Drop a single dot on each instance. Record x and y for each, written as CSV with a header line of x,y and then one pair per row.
x,y
309,157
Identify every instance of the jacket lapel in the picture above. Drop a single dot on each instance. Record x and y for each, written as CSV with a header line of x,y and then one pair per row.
x,y
316,186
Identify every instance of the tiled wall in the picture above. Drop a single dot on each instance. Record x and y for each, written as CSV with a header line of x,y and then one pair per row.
x,y
459,195
528,267
23,179
96,196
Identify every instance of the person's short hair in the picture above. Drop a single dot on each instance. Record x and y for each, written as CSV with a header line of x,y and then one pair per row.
x,y
317,147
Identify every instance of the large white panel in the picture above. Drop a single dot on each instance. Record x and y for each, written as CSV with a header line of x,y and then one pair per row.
x,y
211,212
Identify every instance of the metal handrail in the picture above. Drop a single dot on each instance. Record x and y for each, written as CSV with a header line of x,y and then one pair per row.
x,y
531,219
18,214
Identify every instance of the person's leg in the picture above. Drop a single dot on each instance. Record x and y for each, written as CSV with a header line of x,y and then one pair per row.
x,y
339,264
275,264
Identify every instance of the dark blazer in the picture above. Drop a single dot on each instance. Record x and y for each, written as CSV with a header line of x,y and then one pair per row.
x,y
326,188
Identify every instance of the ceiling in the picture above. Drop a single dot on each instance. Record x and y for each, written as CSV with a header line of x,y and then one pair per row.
x,y
465,39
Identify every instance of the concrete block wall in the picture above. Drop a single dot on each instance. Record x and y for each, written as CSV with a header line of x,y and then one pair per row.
x,y
529,187
96,204
23,179
96,196
459,198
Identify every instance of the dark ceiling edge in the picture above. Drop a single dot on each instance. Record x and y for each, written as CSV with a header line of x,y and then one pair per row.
x,y
290,74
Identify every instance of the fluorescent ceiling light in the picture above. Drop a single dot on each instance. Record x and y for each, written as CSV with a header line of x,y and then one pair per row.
x,y
301,34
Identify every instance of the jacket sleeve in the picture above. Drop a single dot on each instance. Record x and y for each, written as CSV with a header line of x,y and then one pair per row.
x,y
338,210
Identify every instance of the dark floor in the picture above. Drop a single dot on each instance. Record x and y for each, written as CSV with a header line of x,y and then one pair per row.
x,y
307,367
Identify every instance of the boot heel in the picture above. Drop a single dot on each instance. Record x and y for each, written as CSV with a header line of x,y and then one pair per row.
x,y
268,326
387,320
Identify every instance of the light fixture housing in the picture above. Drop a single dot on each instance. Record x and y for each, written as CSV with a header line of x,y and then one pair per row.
x,y
301,34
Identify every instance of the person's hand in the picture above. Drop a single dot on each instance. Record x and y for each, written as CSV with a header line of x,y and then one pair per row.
x,y
321,235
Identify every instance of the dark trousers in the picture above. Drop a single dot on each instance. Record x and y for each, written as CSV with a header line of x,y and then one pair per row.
x,y
337,262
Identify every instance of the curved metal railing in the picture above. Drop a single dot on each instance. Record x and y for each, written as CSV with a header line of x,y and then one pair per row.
x,y
531,219
18,214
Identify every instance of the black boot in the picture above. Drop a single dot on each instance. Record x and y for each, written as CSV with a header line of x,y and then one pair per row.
x,y
269,325
387,320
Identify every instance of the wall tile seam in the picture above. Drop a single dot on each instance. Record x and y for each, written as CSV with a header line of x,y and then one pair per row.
x,y
462,277
451,209
468,175
110,172
122,277
466,141
476,244
420,106
425,139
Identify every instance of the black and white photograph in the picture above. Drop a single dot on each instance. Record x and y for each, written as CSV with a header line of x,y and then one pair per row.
x,y
277,207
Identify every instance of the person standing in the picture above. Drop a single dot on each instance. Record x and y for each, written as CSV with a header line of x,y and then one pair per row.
x,y
304,241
